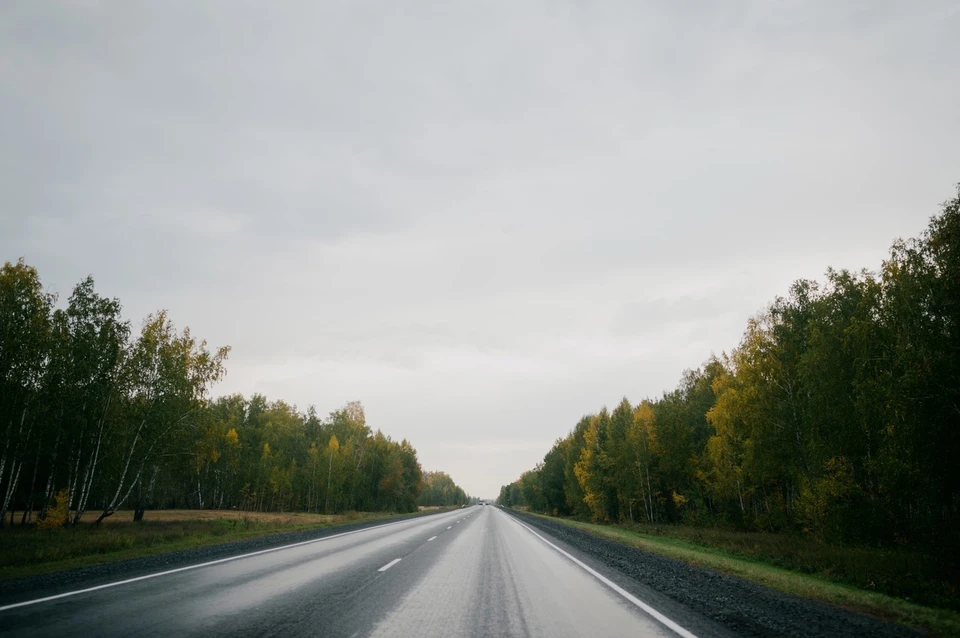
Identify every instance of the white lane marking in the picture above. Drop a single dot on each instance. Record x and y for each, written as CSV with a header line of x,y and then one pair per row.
x,y
431,538
458,522
450,526
197,566
389,565
669,624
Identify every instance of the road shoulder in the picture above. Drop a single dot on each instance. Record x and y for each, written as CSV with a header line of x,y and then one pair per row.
x,y
676,588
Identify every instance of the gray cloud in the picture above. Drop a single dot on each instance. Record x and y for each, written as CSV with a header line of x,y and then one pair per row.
x,y
483,219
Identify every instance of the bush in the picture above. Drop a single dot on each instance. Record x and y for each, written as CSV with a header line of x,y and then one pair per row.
x,y
57,515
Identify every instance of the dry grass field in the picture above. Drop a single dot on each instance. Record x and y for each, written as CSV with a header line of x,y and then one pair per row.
x,y
272,518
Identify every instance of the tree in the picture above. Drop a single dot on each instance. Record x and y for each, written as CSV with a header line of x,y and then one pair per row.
x,y
838,415
88,415
24,346
594,470
92,355
641,439
439,490
167,378
332,448
552,478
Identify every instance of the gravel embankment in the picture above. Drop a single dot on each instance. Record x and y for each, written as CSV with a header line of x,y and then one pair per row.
x,y
746,608
17,589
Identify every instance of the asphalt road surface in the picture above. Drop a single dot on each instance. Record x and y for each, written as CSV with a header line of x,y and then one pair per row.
x,y
474,572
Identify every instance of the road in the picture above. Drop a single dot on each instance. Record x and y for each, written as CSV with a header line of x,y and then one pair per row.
x,y
473,572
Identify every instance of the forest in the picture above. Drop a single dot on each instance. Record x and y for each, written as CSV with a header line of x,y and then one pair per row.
x,y
439,490
94,418
837,415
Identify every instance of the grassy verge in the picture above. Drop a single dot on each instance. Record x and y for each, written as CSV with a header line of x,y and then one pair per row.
x,y
27,551
745,556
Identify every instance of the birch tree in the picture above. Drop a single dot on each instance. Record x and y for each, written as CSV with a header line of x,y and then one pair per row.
x,y
167,379
24,346
93,355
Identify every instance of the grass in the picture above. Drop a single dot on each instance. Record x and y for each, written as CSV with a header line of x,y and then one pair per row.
x,y
27,551
808,568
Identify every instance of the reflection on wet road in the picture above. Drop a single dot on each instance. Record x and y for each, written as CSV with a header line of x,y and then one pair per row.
x,y
475,571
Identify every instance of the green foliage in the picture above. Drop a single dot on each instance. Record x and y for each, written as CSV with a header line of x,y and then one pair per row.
x,y
95,414
258,455
838,416
439,490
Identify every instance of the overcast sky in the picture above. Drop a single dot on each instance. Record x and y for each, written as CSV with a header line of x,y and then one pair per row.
x,y
482,219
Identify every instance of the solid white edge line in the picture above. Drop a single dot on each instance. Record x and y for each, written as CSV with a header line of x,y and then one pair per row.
x,y
431,538
669,624
389,565
197,566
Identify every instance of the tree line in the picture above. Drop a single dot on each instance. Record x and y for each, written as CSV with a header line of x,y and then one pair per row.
x,y
439,490
94,418
837,415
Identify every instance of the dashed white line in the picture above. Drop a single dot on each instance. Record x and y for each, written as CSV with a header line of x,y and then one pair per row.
x,y
431,538
450,527
389,565
197,566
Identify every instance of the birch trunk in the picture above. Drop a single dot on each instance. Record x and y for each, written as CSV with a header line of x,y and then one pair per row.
x,y
16,464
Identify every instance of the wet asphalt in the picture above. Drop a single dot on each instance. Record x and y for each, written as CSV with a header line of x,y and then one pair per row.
x,y
477,571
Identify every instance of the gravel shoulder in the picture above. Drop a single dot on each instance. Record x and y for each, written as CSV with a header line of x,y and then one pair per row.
x,y
708,602
18,589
